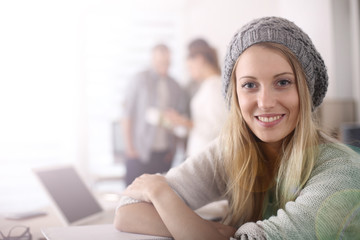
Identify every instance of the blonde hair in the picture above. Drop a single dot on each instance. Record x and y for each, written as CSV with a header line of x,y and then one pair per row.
x,y
249,175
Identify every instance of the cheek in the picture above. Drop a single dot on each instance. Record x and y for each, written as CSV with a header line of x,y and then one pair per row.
x,y
192,70
294,102
243,100
245,106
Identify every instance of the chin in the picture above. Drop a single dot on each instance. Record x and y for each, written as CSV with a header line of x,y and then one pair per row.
x,y
270,139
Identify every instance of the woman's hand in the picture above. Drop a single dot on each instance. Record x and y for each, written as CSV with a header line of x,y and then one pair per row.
x,y
145,187
174,213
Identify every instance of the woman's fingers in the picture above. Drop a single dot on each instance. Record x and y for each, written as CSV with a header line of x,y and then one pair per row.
x,y
142,186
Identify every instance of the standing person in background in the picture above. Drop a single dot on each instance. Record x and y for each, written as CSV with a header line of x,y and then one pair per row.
x,y
207,107
284,178
149,141
193,85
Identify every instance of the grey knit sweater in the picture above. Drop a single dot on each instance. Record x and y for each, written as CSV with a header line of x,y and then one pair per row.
x,y
328,207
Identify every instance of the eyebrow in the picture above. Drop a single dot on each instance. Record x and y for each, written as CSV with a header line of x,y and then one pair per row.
x,y
246,77
277,75
284,73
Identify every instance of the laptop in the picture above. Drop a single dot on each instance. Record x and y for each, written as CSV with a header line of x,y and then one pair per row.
x,y
73,200
82,215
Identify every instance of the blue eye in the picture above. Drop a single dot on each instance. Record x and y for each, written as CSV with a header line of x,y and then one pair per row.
x,y
248,85
283,83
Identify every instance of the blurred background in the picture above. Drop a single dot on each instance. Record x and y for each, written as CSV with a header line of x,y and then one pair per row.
x,y
65,67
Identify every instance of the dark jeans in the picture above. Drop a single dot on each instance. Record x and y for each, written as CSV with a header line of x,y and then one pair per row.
x,y
160,162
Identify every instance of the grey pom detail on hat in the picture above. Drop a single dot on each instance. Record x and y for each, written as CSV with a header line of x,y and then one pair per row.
x,y
285,32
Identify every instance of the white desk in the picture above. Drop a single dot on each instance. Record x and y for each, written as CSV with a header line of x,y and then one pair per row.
x,y
35,224
68,233
95,232
52,219
210,211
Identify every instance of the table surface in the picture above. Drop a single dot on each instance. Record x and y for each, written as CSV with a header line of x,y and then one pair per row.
x,y
35,224
51,219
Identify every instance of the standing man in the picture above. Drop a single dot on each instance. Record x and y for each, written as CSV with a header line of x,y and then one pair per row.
x,y
149,140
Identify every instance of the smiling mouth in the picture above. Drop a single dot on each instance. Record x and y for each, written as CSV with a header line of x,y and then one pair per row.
x,y
269,119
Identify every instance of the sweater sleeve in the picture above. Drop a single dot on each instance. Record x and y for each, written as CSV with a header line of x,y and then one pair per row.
x,y
328,207
199,180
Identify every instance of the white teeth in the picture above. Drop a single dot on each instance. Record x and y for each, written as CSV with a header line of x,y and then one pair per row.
x,y
270,119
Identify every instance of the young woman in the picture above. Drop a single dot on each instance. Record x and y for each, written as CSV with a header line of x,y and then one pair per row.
x,y
283,177
207,107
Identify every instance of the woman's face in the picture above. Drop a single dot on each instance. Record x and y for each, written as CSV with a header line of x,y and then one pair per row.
x,y
267,93
195,66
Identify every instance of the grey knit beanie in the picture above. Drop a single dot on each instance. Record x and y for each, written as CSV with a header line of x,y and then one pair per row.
x,y
282,31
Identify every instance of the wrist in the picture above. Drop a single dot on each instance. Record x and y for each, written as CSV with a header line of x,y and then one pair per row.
x,y
158,190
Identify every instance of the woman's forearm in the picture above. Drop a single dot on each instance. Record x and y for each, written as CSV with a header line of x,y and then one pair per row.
x,y
170,210
140,218
180,220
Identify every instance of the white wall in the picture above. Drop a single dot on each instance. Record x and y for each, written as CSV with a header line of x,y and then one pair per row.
x,y
39,67
355,35
342,81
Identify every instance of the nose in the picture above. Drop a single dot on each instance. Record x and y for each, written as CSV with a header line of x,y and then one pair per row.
x,y
266,99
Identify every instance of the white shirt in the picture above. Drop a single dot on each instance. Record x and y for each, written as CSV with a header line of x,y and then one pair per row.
x,y
208,111
160,141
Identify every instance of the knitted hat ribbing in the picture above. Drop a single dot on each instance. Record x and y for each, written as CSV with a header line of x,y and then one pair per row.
x,y
282,31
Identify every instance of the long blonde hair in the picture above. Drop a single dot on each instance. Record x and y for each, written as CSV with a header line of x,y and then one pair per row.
x,y
249,175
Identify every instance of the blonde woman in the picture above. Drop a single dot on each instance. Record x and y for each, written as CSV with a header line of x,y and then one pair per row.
x,y
283,177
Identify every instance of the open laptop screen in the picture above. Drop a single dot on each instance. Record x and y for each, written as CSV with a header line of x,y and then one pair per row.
x,y
69,192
